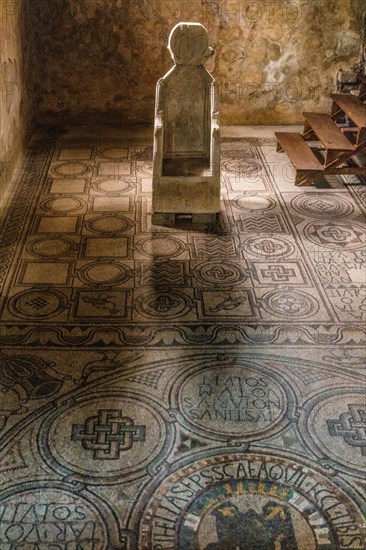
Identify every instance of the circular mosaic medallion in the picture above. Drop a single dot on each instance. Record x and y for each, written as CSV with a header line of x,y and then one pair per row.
x,y
268,247
37,304
219,273
320,206
145,167
242,167
234,401
109,224
62,204
235,151
163,304
71,169
160,246
104,273
290,303
249,501
254,202
112,186
97,438
48,517
51,247
114,153
335,422
336,235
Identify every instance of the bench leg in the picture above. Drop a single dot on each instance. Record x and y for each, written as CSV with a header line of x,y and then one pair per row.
x,y
305,178
361,139
308,132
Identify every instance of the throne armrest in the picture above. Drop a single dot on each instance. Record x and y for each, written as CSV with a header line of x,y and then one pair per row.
x,y
158,145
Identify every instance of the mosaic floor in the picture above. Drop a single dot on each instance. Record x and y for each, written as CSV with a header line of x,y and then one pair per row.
x,y
188,387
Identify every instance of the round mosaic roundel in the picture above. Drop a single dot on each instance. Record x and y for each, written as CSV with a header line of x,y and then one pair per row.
x,y
254,202
242,167
334,422
248,501
219,273
37,304
48,517
104,273
113,186
164,304
341,236
97,438
290,303
109,224
268,247
71,169
62,204
53,247
316,206
160,246
234,401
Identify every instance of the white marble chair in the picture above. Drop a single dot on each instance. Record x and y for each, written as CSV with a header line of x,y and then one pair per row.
x,y
186,173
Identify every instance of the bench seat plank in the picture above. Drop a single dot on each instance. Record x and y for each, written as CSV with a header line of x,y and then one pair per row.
x,y
298,151
352,106
328,132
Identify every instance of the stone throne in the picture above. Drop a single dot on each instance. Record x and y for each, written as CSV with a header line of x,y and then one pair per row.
x,y
186,171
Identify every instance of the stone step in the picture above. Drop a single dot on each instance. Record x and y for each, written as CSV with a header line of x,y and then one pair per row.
x,y
327,131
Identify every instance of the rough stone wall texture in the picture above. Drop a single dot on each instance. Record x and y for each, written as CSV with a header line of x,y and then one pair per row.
x,y
14,97
274,58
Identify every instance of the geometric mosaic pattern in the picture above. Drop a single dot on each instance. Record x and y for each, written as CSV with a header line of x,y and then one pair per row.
x,y
187,387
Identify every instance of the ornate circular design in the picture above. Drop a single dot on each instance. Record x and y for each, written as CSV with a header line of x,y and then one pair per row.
x,y
111,186
109,224
113,153
334,421
37,304
97,438
242,167
66,203
71,169
104,273
290,303
235,151
219,273
248,501
234,401
51,247
46,517
145,167
160,246
336,235
163,304
254,202
268,247
320,206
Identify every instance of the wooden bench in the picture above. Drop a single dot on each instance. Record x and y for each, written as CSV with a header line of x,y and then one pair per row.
x,y
356,111
326,130
307,166
351,106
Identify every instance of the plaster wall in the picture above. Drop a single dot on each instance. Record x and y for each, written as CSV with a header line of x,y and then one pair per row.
x,y
274,58
14,98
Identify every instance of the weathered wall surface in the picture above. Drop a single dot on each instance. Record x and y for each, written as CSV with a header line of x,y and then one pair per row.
x,y
14,98
274,58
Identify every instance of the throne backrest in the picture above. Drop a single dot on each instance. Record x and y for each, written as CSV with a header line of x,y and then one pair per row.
x,y
186,91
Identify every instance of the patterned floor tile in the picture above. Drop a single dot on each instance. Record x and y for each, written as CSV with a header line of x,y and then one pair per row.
x,y
180,387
